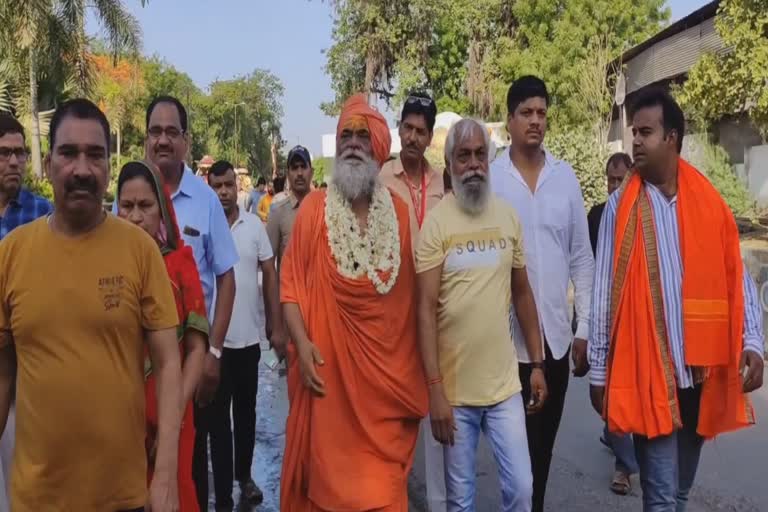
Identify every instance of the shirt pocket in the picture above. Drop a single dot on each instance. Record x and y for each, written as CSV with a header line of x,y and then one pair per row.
x,y
197,243
555,215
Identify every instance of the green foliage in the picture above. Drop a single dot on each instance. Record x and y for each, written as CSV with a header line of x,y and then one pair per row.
x,y
588,160
370,38
467,52
39,186
243,119
554,38
713,161
322,167
737,80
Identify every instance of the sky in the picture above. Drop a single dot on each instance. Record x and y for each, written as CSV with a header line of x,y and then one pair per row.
x,y
234,37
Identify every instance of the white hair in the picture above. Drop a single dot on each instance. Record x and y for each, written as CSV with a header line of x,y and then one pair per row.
x,y
472,188
463,129
355,177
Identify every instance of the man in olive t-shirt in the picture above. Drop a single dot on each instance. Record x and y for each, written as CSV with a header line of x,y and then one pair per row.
x,y
80,293
471,268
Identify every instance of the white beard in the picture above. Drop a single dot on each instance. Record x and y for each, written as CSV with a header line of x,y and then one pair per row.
x,y
355,178
473,196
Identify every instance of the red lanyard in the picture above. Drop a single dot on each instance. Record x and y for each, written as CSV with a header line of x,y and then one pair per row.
x,y
420,213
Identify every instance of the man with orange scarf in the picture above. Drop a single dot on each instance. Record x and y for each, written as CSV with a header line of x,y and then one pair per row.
x,y
677,335
356,386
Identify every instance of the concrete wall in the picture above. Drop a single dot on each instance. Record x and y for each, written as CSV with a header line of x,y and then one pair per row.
x,y
736,134
756,173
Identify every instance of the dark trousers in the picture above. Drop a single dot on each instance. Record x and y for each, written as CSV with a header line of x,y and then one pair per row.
x,y
237,389
200,456
542,427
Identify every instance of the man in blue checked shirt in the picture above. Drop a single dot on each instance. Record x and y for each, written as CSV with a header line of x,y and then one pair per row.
x,y
17,204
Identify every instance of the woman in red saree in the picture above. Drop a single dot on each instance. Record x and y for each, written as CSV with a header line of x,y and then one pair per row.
x,y
143,200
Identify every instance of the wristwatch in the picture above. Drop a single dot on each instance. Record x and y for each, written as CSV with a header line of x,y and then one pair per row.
x,y
538,365
216,352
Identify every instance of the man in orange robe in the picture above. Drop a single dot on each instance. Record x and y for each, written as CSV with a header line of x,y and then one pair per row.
x,y
356,386
677,334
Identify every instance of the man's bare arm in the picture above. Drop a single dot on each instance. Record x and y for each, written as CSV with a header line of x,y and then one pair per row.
x,y
525,309
308,355
271,292
428,284
7,378
440,410
296,328
166,366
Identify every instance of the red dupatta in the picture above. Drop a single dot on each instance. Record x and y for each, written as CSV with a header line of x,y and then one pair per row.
x,y
179,259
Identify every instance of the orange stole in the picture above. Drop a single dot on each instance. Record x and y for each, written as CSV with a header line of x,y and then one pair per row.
x,y
352,449
641,395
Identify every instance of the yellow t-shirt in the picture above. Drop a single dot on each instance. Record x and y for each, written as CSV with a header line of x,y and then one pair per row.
x,y
477,358
262,209
76,310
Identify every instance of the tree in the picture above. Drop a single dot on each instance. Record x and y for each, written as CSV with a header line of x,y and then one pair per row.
x,y
736,80
554,39
42,35
244,120
118,85
322,169
370,38
467,52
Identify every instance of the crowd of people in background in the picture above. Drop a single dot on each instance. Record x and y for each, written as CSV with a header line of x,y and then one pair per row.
x,y
408,304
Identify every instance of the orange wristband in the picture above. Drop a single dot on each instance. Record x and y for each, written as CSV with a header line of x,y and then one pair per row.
x,y
436,380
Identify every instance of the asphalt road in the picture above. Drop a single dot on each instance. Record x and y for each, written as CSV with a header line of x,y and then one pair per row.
x,y
733,475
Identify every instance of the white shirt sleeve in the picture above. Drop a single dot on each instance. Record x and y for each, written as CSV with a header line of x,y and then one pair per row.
x,y
582,264
263,245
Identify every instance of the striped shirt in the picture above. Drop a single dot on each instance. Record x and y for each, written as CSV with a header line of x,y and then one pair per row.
x,y
671,267
22,210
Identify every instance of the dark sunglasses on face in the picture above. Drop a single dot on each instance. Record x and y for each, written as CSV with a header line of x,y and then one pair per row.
x,y
21,153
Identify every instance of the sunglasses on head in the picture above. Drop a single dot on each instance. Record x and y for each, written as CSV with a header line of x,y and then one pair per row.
x,y
424,102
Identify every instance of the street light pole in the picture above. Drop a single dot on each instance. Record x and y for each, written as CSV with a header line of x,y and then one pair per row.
x,y
237,131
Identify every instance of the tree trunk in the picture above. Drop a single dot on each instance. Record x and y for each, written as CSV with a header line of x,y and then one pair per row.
x,y
369,75
37,154
273,154
119,145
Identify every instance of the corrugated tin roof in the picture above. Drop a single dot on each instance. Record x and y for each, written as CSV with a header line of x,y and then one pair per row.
x,y
696,17
662,58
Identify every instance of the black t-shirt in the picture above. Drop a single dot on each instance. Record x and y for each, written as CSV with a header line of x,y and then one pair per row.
x,y
593,219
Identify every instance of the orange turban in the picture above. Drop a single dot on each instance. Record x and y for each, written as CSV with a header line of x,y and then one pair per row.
x,y
356,108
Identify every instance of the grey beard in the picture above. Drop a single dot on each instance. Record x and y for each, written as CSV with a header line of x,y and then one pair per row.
x,y
472,198
354,178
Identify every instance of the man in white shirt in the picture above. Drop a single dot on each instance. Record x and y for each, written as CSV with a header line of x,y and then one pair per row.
x,y
547,196
242,351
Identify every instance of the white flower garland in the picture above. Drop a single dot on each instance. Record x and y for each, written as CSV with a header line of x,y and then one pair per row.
x,y
378,250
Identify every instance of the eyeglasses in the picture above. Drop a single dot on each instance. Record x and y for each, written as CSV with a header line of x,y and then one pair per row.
x,y
171,132
5,154
424,102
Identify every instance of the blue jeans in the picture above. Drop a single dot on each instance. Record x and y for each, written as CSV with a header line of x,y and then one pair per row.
x,y
668,463
624,451
504,426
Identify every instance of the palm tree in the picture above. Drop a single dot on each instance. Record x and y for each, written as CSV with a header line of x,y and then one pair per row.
x,y
46,38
